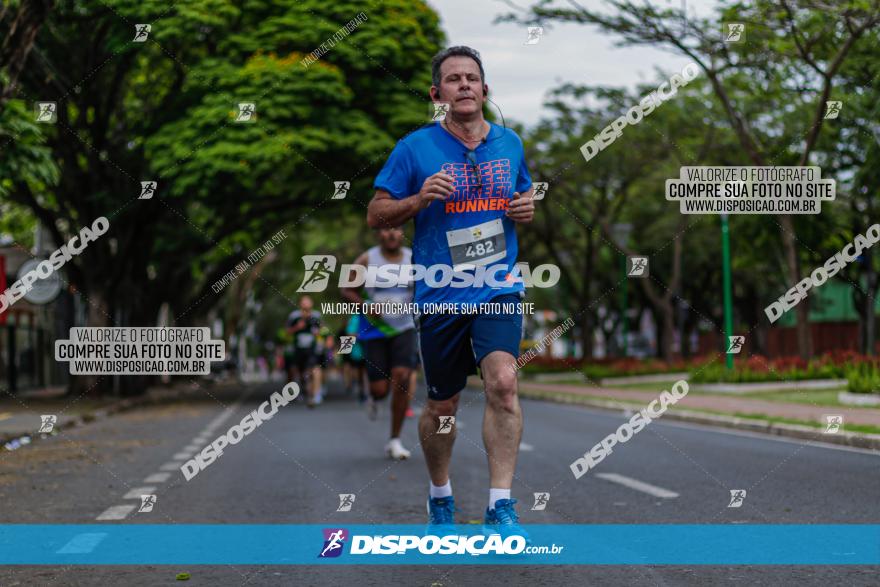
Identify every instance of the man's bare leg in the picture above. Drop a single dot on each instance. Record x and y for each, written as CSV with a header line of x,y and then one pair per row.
x,y
413,383
502,420
316,381
437,448
379,389
399,399
302,379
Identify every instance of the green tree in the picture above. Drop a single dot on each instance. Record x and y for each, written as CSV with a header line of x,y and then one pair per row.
x,y
163,110
793,56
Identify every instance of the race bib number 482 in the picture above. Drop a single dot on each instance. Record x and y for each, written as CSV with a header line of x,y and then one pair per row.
x,y
477,245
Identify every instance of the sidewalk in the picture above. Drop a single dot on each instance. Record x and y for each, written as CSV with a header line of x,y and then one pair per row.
x,y
730,404
21,415
755,415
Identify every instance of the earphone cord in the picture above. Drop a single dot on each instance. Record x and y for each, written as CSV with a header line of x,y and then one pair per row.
x,y
485,139
459,136
503,122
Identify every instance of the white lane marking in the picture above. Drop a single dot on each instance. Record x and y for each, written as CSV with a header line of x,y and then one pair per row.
x,y
638,485
82,543
116,512
757,435
193,448
765,436
222,417
182,456
119,512
137,492
526,446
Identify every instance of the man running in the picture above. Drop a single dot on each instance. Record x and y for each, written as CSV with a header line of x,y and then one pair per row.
x,y
303,325
389,338
466,184
353,365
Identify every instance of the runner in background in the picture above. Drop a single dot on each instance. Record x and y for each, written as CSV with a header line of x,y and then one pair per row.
x,y
325,349
304,325
389,339
353,365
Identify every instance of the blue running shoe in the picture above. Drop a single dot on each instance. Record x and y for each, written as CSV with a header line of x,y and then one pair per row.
x,y
441,516
503,520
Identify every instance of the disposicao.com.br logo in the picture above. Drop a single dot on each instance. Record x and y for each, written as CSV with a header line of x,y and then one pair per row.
x,y
320,268
334,541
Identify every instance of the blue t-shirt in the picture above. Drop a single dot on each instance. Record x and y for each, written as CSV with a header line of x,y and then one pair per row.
x,y
470,228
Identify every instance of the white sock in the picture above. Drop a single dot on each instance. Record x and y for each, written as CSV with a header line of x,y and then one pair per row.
x,y
441,491
496,494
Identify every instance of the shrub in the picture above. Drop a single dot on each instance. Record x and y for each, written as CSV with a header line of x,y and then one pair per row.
x,y
629,366
835,365
863,378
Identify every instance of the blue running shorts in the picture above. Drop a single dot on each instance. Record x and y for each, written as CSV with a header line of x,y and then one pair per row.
x,y
452,346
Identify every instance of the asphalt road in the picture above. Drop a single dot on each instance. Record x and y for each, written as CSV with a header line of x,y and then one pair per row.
x,y
292,468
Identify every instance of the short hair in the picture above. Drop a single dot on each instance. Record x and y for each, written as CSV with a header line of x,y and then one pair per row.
x,y
457,51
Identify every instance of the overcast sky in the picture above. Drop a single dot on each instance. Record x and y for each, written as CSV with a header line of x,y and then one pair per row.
x,y
519,75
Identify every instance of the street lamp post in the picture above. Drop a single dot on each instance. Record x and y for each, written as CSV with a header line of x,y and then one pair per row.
x,y
726,284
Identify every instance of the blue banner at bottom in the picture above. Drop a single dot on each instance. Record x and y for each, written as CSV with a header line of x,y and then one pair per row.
x,y
173,544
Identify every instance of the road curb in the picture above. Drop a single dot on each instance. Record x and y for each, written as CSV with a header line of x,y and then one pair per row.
x,y
152,396
854,439
649,378
740,388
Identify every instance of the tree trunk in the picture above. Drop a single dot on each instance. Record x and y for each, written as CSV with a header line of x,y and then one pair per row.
x,y
587,319
666,324
98,314
21,33
587,334
760,336
870,327
804,340
869,322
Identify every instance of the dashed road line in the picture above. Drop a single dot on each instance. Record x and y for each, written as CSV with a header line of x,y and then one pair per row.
x,y
120,512
137,492
638,485
116,512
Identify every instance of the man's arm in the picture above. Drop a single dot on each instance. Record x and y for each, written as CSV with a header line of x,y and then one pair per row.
x,y
352,294
295,325
316,323
387,212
